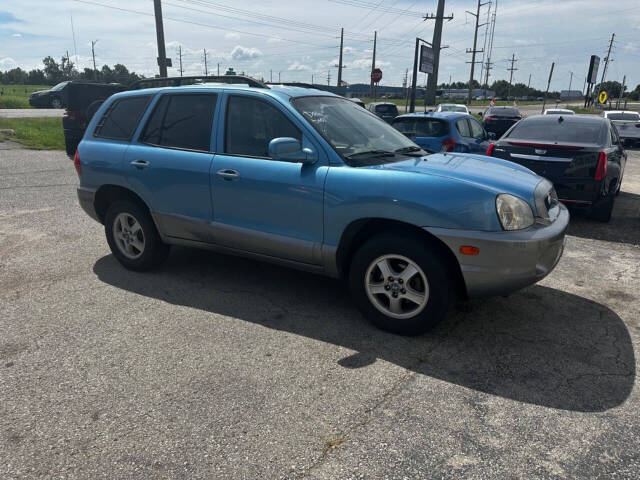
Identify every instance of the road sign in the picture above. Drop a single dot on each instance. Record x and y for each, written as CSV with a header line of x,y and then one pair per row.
x,y
376,75
593,69
602,97
426,59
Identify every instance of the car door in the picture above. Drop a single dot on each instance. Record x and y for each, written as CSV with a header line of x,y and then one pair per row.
x,y
464,131
478,142
170,160
617,157
263,205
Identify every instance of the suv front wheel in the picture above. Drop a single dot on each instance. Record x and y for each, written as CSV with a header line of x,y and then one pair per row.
x,y
401,284
132,236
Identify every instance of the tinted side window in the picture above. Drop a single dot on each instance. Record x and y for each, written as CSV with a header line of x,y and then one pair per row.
x,y
252,124
476,130
182,121
121,118
463,127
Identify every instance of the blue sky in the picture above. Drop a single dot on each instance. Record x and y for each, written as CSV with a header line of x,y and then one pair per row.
x,y
300,39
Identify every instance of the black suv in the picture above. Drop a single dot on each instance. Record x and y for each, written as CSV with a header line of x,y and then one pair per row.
x,y
500,119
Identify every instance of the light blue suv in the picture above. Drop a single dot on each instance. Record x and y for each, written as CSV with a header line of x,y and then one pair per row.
x,y
307,179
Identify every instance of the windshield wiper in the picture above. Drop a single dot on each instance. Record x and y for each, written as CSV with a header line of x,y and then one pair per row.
x,y
372,154
411,149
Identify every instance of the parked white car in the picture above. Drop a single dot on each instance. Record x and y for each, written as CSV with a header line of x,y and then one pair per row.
x,y
627,123
452,107
559,111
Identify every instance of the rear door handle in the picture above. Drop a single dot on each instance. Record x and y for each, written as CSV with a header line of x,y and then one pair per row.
x,y
140,164
228,174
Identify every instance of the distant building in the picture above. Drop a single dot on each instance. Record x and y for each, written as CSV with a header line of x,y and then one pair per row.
x,y
570,95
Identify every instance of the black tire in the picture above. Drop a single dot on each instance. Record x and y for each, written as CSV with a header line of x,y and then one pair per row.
x,y
430,260
154,251
55,102
602,211
71,145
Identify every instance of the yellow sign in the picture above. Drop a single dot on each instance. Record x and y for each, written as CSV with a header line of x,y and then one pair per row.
x,y
602,97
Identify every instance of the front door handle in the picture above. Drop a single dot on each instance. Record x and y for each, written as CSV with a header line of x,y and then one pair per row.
x,y
140,164
228,174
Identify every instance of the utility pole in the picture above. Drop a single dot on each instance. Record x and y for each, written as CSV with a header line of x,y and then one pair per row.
x,y
270,76
529,83
312,79
484,47
607,59
162,54
473,51
406,84
432,82
206,70
279,81
328,77
489,64
339,90
218,68
93,54
373,63
548,84
511,70
180,57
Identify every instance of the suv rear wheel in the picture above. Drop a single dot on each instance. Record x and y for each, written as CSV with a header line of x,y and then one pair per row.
x,y
400,284
132,236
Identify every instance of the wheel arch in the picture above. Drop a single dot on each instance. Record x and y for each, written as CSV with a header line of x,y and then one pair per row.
x,y
107,194
358,231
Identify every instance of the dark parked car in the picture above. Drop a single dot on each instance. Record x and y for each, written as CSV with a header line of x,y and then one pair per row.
x,y
582,155
500,119
55,97
82,101
384,110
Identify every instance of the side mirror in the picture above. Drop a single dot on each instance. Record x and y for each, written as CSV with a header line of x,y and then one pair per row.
x,y
288,149
492,135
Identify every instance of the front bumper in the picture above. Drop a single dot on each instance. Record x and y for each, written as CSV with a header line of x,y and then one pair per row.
x,y
507,261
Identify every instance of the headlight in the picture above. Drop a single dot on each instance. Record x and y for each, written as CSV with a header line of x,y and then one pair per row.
x,y
513,212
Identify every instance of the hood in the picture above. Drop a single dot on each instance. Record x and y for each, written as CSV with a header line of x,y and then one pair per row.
x,y
38,93
496,174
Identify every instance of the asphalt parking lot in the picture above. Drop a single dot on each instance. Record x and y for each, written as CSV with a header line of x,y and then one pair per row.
x,y
219,367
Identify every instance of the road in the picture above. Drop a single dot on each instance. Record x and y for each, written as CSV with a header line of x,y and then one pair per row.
x,y
219,367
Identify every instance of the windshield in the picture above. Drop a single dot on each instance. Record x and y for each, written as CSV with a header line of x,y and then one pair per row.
x,y
357,135
59,86
504,112
421,127
624,116
387,108
453,108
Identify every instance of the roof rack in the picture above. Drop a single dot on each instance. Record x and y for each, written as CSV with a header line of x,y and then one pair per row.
x,y
292,84
180,81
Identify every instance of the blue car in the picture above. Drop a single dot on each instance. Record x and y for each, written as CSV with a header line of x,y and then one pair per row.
x,y
445,131
307,179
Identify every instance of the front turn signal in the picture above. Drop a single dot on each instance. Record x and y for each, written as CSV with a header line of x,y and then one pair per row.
x,y
469,250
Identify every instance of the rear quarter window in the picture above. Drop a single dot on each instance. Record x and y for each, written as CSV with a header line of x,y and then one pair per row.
x,y
120,119
422,127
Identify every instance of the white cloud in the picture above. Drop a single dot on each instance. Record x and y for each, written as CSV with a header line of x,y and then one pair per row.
x,y
348,50
7,63
243,53
297,66
17,35
232,36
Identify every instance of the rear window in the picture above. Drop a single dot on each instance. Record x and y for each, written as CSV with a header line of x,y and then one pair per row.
x,y
554,131
182,121
624,116
387,109
421,127
505,112
120,119
452,108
